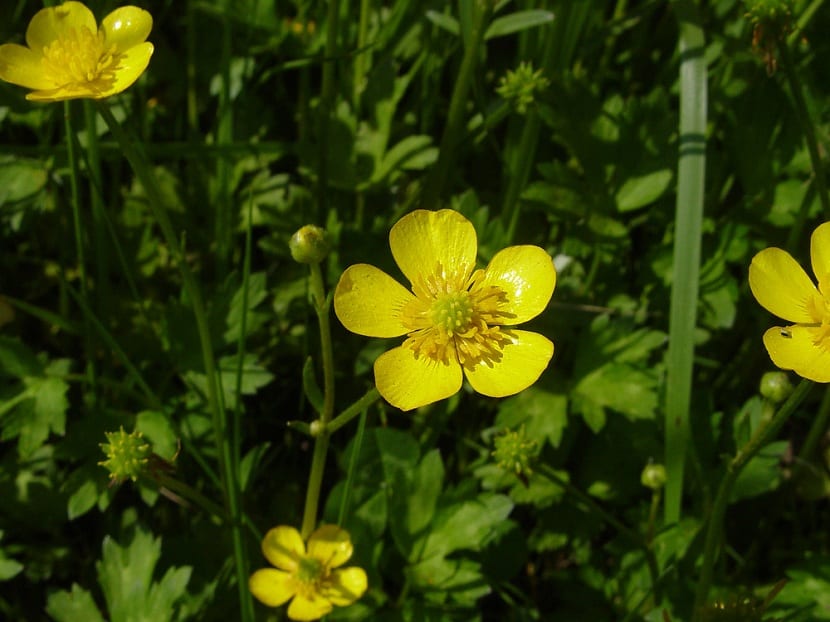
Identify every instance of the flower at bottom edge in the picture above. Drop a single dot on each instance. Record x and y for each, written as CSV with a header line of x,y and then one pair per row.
x,y
311,579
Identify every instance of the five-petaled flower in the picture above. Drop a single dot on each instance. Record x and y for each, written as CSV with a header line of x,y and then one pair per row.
x,y
457,319
69,56
312,577
782,287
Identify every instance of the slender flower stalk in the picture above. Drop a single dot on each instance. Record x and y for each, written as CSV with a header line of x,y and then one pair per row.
x,y
765,432
229,478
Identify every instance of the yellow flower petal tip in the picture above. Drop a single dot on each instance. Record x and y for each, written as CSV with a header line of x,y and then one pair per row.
x,y
68,56
782,287
308,574
457,320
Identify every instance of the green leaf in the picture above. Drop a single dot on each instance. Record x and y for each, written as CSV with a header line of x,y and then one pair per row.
x,y
640,191
84,486
413,152
66,606
158,430
257,293
425,488
761,474
623,387
17,360
310,386
126,577
444,21
543,414
20,179
439,578
516,22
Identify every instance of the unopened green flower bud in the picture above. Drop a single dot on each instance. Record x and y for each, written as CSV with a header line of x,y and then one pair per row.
x,y
127,455
520,87
653,476
310,244
776,386
515,452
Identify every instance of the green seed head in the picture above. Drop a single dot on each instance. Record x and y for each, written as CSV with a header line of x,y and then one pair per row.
x,y
127,455
515,452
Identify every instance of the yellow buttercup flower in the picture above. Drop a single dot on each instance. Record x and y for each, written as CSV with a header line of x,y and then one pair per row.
x,y
783,288
69,56
457,319
311,577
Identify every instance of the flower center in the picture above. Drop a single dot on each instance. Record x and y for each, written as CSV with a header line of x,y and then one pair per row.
x,y
819,308
309,570
79,58
456,317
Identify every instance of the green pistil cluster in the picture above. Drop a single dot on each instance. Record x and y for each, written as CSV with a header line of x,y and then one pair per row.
x,y
127,455
309,570
453,312
521,86
515,452
770,13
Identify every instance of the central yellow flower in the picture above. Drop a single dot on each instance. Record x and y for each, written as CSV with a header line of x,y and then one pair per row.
x,y
457,319
69,56
311,578
783,288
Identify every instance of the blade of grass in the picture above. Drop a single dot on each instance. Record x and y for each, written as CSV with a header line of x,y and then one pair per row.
x,y
686,268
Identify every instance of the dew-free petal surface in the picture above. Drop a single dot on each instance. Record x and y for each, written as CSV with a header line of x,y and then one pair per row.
x,y
780,285
423,239
126,27
20,65
347,586
272,587
283,546
367,301
793,348
130,67
527,276
331,545
310,606
50,23
407,382
523,361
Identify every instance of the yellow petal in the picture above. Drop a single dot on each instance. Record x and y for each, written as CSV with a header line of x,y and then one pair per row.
x,y
820,256
793,348
308,607
331,545
523,361
61,93
347,586
272,587
48,24
407,382
19,65
130,67
283,546
126,27
780,285
527,276
422,240
367,301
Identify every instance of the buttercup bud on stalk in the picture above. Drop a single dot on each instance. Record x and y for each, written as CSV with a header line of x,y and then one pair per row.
x,y
515,452
127,455
310,244
776,386
653,476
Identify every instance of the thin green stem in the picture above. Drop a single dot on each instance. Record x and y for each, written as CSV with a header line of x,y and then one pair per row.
x,y
74,186
453,130
224,136
807,125
634,537
321,441
765,432
814,436
327,95
362,57
687,237
230,482
357,444
99,224
354,410
190,494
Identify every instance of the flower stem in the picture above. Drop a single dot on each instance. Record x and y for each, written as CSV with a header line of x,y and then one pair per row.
x,y
74,175
321,441
634,537
807,125
230,480
766,431
354,410
437,178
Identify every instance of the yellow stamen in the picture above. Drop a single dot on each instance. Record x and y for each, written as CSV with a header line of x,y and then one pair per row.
x,y
79,58
456,317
